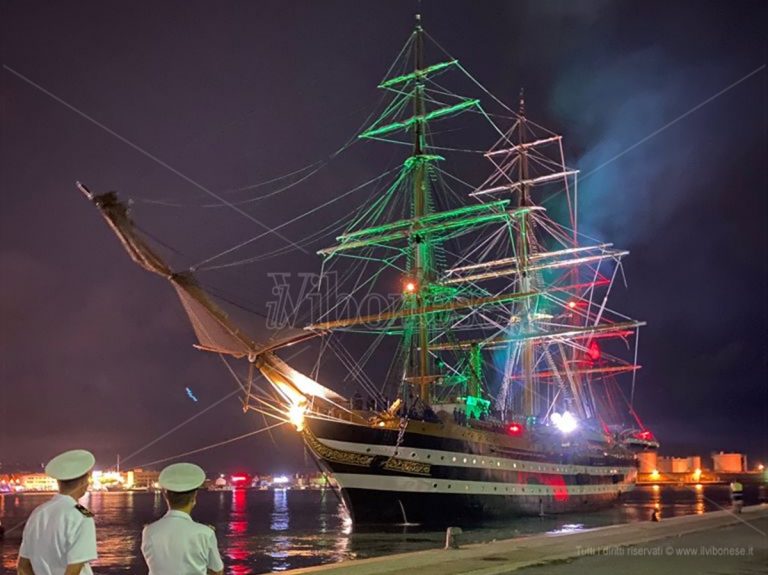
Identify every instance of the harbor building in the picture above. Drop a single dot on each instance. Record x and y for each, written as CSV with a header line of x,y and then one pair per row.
x,y
729,462
38,482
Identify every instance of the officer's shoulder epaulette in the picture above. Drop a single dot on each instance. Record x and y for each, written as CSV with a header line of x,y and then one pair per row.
x,y
83,510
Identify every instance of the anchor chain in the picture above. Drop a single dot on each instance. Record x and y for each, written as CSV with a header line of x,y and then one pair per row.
x,y
400,435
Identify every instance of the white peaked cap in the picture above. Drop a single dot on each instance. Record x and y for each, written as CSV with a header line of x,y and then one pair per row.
x,y
181,477
70,465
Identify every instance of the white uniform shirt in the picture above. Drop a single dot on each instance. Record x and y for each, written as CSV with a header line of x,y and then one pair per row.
x,y
57,534
176,545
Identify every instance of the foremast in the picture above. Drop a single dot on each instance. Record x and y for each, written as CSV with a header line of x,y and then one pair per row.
x,y
422,264
422,296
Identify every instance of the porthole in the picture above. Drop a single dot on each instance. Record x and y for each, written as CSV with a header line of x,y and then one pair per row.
x,y
498,464
449,486
434,485
474,461
413,454
514,465
429,456
453,459
465,460
368,450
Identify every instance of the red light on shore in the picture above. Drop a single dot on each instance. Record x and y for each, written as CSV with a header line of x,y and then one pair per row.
x,y
238,478
515,429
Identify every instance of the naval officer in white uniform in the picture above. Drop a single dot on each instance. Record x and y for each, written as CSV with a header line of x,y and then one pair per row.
x,y
60,535
175,544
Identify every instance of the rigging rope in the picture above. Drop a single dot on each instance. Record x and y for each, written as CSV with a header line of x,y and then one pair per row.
x,y
214,445
293,220
183,423
171,204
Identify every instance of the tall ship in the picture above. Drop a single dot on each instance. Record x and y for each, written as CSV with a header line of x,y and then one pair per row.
x,y
503,375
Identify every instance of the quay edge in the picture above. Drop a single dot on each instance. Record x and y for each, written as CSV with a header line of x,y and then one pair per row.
x,y
501,557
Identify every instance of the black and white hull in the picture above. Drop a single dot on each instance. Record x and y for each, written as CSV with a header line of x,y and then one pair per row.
x,y
443,473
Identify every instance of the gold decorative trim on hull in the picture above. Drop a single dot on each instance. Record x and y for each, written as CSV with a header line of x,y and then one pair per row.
x,y
335,455
360,460
405,466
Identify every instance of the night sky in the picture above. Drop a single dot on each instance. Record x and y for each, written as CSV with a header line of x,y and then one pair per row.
x,y
96,353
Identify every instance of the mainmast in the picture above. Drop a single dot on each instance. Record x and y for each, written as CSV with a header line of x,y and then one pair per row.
x,y
422,267
523,248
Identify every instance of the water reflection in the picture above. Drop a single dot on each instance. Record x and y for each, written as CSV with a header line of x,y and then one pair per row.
x,y
699,507
237,551
341,547
280,517
655,502
259,531
280,520
323,511
158,503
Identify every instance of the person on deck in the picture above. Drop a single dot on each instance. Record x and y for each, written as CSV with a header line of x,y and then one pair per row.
x,y
60,535
175,544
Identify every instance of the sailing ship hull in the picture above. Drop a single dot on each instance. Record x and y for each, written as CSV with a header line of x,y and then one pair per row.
x,y
441,473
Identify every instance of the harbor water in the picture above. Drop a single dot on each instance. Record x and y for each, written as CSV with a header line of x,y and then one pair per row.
x,y
263,531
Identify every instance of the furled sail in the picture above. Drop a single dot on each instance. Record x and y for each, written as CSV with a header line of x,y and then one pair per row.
x,y
214,329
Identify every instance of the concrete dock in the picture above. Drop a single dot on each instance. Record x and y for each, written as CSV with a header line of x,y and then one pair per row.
x,y
717,542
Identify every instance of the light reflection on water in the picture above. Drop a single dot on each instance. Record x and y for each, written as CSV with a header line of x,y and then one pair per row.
x,y
237,529
262,531
280,521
